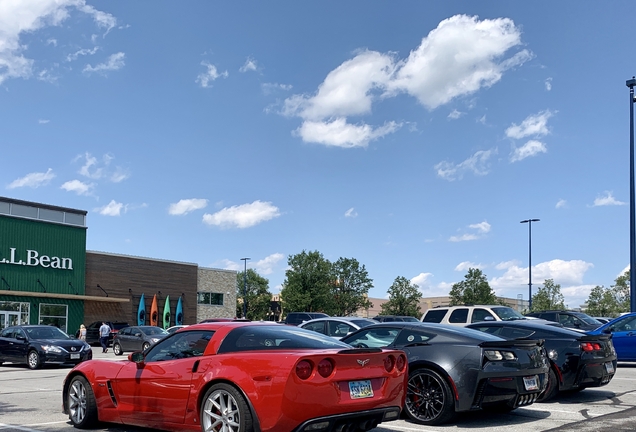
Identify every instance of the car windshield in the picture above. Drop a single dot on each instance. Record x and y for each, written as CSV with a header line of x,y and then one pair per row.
x,y
250,338
48,332
363,322
507,314
410,319
587,319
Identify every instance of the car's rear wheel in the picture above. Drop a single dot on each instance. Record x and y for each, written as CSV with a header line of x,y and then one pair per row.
x,y
224,409
33,359
551,389
117,349
145,346
429,400
82,409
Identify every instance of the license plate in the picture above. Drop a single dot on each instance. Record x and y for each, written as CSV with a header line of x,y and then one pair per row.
x,y
531,382
609,367
75,356
360,389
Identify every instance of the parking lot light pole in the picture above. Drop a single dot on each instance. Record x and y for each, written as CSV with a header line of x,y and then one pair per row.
x,y
529,222
632,212
245,288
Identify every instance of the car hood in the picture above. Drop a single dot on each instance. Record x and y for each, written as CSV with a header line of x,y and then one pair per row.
x,y
61,342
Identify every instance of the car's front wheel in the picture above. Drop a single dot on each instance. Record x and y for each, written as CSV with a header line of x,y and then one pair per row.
x,y
33,359
429,400
117,349
82,409
224,409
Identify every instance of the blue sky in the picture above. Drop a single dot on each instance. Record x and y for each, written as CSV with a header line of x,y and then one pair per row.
x,y
411,136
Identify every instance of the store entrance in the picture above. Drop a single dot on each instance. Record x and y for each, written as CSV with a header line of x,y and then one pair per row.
x,y
9,319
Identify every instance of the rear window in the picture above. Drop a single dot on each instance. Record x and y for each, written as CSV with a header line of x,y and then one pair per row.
x,y
253,338
434,316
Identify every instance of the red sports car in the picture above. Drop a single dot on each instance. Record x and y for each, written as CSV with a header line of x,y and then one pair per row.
x,y
241,376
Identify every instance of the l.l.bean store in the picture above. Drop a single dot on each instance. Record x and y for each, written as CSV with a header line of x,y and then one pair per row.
x,y
48,277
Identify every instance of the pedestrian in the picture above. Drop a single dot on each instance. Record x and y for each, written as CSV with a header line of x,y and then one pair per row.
x,y
104,332
82,332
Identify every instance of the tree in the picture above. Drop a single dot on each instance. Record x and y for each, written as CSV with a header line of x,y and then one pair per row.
x,y
621,292
308,283
602,302
404,299
351,285
258,298
474,289
548,297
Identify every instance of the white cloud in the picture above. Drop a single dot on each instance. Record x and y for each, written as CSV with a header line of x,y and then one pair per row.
x,y
82,52
33,180
43,121
454,115
113,208
482,229
458,58
482,119
507,264
242,216
205,79
250,65
98,169
339,133
463,237
267,264
51,41
269,88
186,206
466,265
561,203
78,187
422,280
113,63
20,17
607,200
562,272
534,125
351,213
531,148
478,164
548,84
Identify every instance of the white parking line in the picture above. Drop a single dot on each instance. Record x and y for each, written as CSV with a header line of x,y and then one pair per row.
x,y
406,428
14,427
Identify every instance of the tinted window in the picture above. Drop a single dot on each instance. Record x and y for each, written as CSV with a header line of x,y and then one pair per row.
x,y
626,324
458,316
515,333
7,333
586,318
412,336
339,329
480,315
507,313
180,345
373,337
434,315
316,326
125,332
496,330
251,338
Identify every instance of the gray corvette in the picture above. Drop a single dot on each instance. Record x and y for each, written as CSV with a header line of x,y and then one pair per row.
x,y
454,369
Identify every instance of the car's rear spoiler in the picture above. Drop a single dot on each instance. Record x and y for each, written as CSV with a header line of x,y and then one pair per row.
x,y
603,337
512,343
360,351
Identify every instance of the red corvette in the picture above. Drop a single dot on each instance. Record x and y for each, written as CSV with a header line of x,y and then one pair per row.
x,y
241,377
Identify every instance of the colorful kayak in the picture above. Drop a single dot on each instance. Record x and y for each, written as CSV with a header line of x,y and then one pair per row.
x,y
141,311
178,320
154,312
166,313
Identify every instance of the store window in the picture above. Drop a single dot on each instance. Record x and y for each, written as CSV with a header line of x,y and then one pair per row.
x,y
54,314
210,298
13,313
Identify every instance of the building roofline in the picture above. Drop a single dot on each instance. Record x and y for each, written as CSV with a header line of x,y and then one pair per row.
x,y
44,206
141,258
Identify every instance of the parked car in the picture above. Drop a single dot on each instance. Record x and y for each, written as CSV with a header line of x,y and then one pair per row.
x,y
175,328
209,320
623,331
336,327
392,318
456,369
230,376
603,320
92,331
296,318
569,319
577,361
37,345
464,315
137,338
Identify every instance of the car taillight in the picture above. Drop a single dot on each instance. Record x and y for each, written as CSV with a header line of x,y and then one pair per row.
x,y
389,363
303,369
590,346
325,367
400,363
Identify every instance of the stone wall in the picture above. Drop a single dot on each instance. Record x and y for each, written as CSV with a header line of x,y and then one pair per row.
x,y
217,281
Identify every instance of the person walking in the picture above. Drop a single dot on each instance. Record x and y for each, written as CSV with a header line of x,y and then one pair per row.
x,y
82,333
104,332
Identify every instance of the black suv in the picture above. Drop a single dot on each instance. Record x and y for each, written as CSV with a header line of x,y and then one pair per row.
x,y
296,318
569,319
92,331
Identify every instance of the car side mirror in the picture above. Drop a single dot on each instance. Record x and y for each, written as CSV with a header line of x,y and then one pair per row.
x,y
20,338
608,330
137,357
137,334
489,318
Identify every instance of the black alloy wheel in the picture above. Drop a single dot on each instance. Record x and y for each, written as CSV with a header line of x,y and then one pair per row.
x,y
429,400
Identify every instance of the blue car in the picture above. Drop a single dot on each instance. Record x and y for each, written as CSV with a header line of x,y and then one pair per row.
x,y
623,330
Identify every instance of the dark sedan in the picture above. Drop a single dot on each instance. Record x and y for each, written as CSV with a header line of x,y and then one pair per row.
x,y
623,331
577,360
137,338
36,345
453,369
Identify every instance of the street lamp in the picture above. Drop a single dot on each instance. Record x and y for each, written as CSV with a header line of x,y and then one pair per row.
x,y
245,288
529,222
632,212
